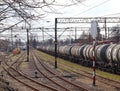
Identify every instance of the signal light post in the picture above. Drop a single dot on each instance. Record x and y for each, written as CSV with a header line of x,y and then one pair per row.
x,y
94,33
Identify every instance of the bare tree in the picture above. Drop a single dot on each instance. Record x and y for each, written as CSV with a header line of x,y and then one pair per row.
x,y
31,9
15,12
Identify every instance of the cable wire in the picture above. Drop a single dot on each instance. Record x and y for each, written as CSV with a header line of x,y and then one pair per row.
x,y
92,7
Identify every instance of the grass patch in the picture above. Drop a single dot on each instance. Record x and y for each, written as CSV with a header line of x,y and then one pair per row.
x,y
15,57
24,65
78,67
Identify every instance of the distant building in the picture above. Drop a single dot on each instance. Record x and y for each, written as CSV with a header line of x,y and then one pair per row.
x,y
115,34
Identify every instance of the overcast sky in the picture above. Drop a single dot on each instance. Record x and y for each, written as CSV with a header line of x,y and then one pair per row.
x,y
89,8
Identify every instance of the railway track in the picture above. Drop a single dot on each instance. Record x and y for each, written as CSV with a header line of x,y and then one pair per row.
x,y
52,80
108,81
63,83
21,81
25,79
12,72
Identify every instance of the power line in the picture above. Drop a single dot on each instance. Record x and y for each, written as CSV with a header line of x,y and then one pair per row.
x,y
92,7
112,14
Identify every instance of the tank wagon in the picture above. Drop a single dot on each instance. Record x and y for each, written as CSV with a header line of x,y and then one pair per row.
x,y
107,56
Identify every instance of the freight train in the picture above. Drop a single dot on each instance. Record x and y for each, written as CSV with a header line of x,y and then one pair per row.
x,y
107,56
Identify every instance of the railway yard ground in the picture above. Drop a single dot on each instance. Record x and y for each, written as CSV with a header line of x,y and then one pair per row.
x,y
59,45
50,81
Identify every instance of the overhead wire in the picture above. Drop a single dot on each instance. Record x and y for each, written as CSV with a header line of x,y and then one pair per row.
x,y
112,14
92,7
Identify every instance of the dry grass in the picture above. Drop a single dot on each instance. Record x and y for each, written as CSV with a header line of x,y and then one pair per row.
x,y
77,67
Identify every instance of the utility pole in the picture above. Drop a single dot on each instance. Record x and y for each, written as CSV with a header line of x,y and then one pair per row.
x,y
43,34
27,45
108,32
56,43
105,29
11,38
75,33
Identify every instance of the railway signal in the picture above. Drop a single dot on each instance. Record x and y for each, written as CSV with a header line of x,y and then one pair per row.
x,y
93,31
